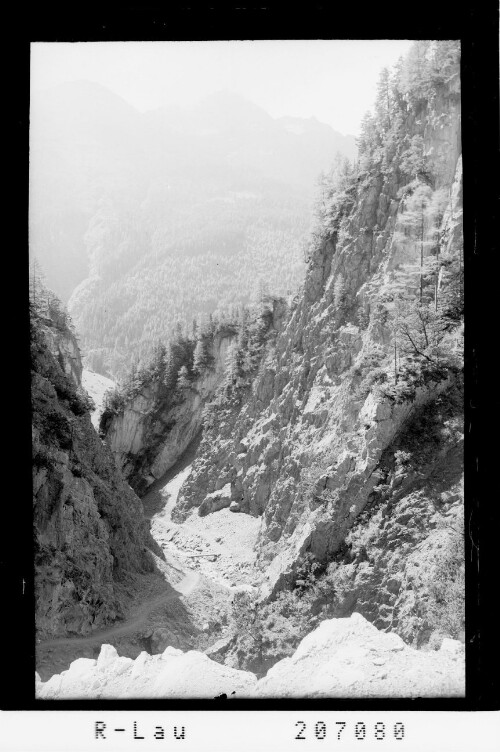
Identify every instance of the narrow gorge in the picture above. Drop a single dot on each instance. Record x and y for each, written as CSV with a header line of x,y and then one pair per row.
x,y
284,483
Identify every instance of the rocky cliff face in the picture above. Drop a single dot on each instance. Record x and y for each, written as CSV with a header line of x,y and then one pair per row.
x,y
348,440
152,431
63,347
90,534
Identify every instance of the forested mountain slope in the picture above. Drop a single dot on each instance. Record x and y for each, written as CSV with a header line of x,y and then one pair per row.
x,y
159,409
146,220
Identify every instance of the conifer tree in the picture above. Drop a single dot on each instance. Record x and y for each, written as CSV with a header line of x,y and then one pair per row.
x,y
183,381
383,103
155,368
444,60
201,357
231,366
37,287
415,78
413,159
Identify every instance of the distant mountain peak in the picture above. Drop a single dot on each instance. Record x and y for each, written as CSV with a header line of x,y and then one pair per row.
x,y
228,108
310,124
230,97
83,89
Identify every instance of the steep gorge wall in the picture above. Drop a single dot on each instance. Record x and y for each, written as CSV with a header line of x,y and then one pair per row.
x,y
90,534
151,432
63,346
310,447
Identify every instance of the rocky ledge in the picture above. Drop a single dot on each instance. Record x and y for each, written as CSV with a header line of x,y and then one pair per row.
x,y
341,658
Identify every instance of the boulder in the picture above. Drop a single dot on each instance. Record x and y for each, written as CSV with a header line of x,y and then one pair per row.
x,y
107,656
343,658
215,501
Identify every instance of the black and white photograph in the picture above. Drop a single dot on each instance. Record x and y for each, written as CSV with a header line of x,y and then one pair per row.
x,y
246,294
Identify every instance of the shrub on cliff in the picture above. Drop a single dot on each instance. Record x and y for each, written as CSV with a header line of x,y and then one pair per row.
x,y
271,631
444,610
369,370
267,633
424,310
113,401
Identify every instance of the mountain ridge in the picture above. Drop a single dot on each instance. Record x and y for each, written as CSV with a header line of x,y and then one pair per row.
x,y
117,197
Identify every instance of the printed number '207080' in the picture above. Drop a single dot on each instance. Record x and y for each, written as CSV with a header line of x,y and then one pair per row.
x,y
360,730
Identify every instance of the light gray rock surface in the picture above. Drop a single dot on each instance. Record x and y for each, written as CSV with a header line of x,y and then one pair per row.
x,y
341,658
313,453
149,435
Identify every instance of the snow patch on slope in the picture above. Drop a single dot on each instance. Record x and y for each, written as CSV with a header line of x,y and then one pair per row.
x,y
96,386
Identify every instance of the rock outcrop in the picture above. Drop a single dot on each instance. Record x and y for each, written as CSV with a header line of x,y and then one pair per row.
x,y
90,534
350,658
149,434
322,445
62,344
341,658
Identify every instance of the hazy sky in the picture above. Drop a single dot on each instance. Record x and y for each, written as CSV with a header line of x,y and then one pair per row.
x,y
334,81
